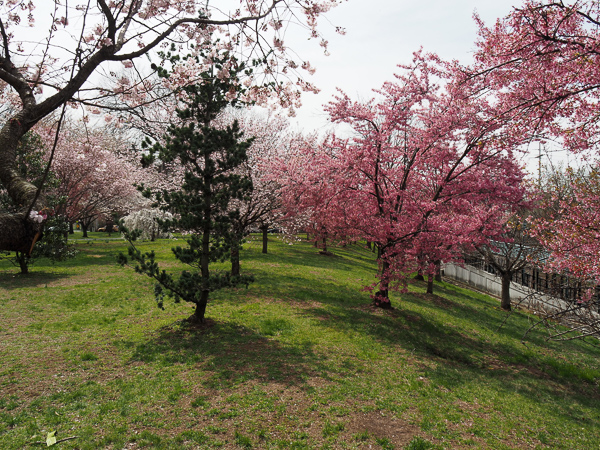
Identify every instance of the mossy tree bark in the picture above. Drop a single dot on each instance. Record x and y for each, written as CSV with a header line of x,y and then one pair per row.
x,y
18,231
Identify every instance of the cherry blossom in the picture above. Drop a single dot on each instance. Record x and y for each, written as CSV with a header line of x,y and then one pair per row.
x,y
427,170
92,55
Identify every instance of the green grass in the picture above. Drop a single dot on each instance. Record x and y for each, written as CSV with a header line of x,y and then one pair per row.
x,y
297,360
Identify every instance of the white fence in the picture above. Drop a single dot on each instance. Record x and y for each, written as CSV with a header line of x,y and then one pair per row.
x,y
484,281
519,294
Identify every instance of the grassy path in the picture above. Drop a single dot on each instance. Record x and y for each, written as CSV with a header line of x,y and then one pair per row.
x,y
297,360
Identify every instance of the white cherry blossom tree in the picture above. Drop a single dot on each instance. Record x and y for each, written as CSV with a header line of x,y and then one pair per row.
x,y
92,54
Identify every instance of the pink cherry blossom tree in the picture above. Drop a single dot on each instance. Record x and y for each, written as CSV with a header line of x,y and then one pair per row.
x,y
540,64
308,193
512,251
570,229
428,168
80,42
567,226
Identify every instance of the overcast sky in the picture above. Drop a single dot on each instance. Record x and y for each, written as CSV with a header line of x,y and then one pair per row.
x,y
380,34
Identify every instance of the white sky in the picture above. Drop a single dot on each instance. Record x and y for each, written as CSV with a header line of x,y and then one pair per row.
x,y
380,34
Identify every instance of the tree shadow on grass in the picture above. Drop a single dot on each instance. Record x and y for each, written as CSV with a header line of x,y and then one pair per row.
x,y
484,311
435,338
343,258
91,256
462,358
298,288
231,354
36,278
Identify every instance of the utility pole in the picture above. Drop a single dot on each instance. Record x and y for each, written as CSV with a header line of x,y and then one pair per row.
x,y
539,158
539,164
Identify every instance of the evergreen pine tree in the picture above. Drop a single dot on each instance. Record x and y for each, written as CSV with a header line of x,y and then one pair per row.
x,y
201,208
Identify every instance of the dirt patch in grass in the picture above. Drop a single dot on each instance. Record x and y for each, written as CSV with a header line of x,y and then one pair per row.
x,y
372,309
76,280
295,409
308,304
436,300
397,432
188,325
47,369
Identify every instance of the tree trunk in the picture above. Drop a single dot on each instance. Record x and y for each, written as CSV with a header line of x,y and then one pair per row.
x,y
18,233
369,245
84,229
205,254
201,307
71,230
419,276
438,271
235,260
382,298
430,284
505,295
265,238
109,227
23,261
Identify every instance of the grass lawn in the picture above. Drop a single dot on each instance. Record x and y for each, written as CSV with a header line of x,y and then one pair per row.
x,y
298,360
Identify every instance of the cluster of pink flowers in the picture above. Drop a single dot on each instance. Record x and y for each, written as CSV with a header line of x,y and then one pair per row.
x,y
425,175
37,217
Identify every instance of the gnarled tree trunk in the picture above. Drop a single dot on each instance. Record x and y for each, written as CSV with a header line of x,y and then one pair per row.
x,y
18,233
